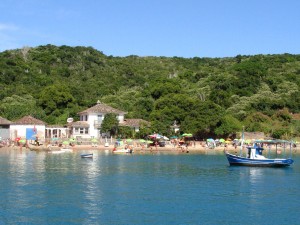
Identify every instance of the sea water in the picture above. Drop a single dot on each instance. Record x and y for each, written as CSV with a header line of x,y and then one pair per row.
x,y
158,188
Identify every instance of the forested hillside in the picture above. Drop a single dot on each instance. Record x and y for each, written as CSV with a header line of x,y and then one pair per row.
x,y
206,96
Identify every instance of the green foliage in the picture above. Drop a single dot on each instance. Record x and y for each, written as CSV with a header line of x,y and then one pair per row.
x,y
228,125
53,83
283,116
257,121
279,133
15,107
143,132
124,132
202,118
110,124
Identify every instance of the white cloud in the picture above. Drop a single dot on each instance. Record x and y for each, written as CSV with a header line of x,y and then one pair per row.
x,y
7,27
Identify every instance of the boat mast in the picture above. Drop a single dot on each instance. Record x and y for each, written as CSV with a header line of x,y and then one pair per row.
x,y
242,143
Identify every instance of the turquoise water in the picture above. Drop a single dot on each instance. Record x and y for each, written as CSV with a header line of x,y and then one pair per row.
x,y
40,188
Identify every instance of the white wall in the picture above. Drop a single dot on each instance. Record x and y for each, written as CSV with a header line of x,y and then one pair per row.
x,y
91,120
20,131
94,117
121,118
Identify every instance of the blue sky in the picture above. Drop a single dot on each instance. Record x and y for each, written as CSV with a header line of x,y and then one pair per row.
x,y
183,28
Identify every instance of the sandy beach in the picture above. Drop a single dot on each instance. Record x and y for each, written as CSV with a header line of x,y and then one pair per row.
x,y
167,149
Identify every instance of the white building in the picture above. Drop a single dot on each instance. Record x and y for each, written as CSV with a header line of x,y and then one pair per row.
x,y
91,120
56,131
23,126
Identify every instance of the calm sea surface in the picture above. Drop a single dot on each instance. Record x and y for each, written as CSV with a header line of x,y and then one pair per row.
x,y
40,188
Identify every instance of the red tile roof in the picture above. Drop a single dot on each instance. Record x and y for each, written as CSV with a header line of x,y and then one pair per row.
x,y
4,121
134,122
29,120
102,108
79,124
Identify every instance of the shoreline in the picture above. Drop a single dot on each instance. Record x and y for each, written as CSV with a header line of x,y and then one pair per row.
x,y
167,148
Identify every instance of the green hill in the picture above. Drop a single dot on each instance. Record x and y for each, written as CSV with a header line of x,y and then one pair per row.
x,y
206,96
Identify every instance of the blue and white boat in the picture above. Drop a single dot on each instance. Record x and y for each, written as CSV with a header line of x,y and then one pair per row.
x,y
255,157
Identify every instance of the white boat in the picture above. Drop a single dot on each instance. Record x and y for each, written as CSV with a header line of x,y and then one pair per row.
x,y
123,151
66,149
57,151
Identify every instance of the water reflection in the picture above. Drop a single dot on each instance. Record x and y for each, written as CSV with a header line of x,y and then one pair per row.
x,y
39,188
24,175
255,175
93,202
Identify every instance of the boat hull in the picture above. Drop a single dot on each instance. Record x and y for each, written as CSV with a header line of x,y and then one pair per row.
x,y
66,149
87,155
56,152
122,151
235,160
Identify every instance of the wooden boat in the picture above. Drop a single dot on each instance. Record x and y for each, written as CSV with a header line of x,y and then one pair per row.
x,y
256,158
87,155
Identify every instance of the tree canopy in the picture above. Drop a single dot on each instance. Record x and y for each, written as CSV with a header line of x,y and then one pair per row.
x,y
206,96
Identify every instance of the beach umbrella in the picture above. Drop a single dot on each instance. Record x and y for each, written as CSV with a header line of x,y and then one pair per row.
x,y
22,141
129,140
65,143
72,140
166,138
187,135
94,140
156,136
247,141
210,140
142,140
222,140
173,137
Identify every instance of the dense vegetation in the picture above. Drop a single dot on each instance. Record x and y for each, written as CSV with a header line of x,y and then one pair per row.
x,y
206,96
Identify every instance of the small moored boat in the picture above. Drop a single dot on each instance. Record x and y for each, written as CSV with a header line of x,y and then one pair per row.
x,y
66,149
123,151
87,155
56,151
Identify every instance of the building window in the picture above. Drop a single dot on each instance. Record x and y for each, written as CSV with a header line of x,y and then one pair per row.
x,y
86,117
